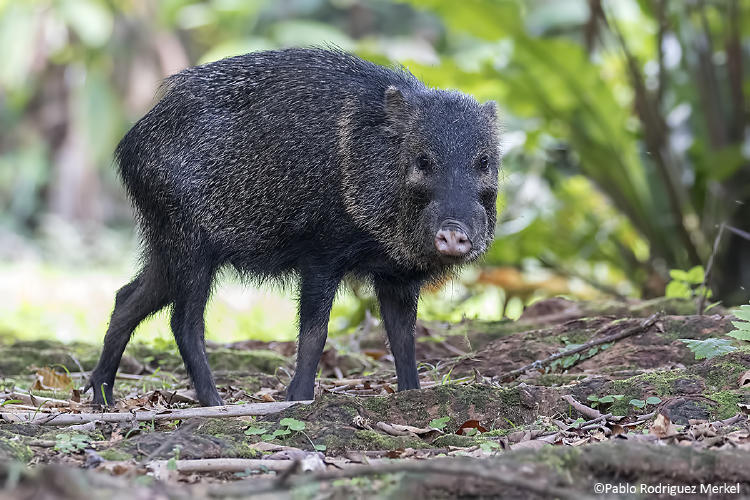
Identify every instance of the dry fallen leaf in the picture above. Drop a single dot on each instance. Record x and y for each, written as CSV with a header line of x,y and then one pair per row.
x,y
577,442
375,354
470,424
663,427
518,436
744,379
47,379
179,396
617,429
117,468
405,430
703,430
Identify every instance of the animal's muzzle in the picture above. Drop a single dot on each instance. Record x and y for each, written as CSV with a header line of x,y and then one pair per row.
x,y
452,239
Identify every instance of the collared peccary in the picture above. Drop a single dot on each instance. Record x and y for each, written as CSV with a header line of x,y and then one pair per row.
x,y
307,164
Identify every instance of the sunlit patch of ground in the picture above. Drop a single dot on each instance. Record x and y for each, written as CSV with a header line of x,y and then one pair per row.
x,y
70,303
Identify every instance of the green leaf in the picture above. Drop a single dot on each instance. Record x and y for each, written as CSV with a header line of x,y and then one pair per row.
x,y
320,447
267,437
172,464
292,424
71,443
11,402
489,446
677,290
281,432
740,334
678,275
638,403
711,305
709,348
607,400
696,275
742,312
439,423
653,400
253,431
571,360
593,397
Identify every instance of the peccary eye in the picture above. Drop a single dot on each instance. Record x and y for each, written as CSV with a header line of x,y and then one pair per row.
x,y
484,163
424,164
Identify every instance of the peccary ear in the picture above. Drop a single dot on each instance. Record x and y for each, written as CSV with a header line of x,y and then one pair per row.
x,y
396,109
489,110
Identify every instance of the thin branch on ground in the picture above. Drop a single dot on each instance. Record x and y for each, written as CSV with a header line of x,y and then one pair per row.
x,y
627,332
244,410
582,408
499,475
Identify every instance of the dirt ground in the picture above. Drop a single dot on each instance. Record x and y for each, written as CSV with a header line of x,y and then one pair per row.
x,y
496,415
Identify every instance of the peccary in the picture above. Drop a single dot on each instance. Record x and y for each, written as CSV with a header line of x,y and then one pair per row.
x,y
301,164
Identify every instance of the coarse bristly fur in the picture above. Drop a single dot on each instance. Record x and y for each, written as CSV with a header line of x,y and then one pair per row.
x,y
308,164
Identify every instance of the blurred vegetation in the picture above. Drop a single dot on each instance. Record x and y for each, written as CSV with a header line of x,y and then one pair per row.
x,y
626,128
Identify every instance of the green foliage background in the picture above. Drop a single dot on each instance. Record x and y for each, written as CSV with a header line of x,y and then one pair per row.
x,y
625,126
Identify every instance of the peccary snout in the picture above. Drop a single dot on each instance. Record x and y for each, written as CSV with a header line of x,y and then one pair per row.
x,y
451,240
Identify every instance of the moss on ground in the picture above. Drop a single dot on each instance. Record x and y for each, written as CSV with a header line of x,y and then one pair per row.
x,y
726,404
14,447
21,358
456,440
115,455
264,361
373,440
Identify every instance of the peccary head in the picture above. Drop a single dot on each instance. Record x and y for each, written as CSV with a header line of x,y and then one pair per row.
x,y
448,156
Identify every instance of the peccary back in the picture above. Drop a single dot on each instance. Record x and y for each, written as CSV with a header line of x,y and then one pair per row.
x,y
309,164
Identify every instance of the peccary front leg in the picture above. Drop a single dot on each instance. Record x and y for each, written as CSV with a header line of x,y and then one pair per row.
x,y
317,292
398,308
191,296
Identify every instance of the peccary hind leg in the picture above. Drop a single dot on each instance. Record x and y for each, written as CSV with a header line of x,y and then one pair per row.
x,y
316,298
191,295
398,308
134,302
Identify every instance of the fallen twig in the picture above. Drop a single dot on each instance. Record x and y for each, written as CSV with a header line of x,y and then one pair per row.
x,y
728,421
451,467
128,376
597,422
627,332
223,465
641,419
582,408
250,409
34,400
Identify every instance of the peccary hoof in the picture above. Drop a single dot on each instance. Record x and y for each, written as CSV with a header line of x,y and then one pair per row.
x,y
102,393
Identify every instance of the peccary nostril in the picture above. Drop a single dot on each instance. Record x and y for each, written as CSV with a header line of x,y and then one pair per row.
x,y
452,242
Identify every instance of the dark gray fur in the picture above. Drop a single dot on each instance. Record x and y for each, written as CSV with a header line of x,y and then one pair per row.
x,y
303,164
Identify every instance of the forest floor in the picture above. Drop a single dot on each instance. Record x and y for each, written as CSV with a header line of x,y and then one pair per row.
x,y
622,409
